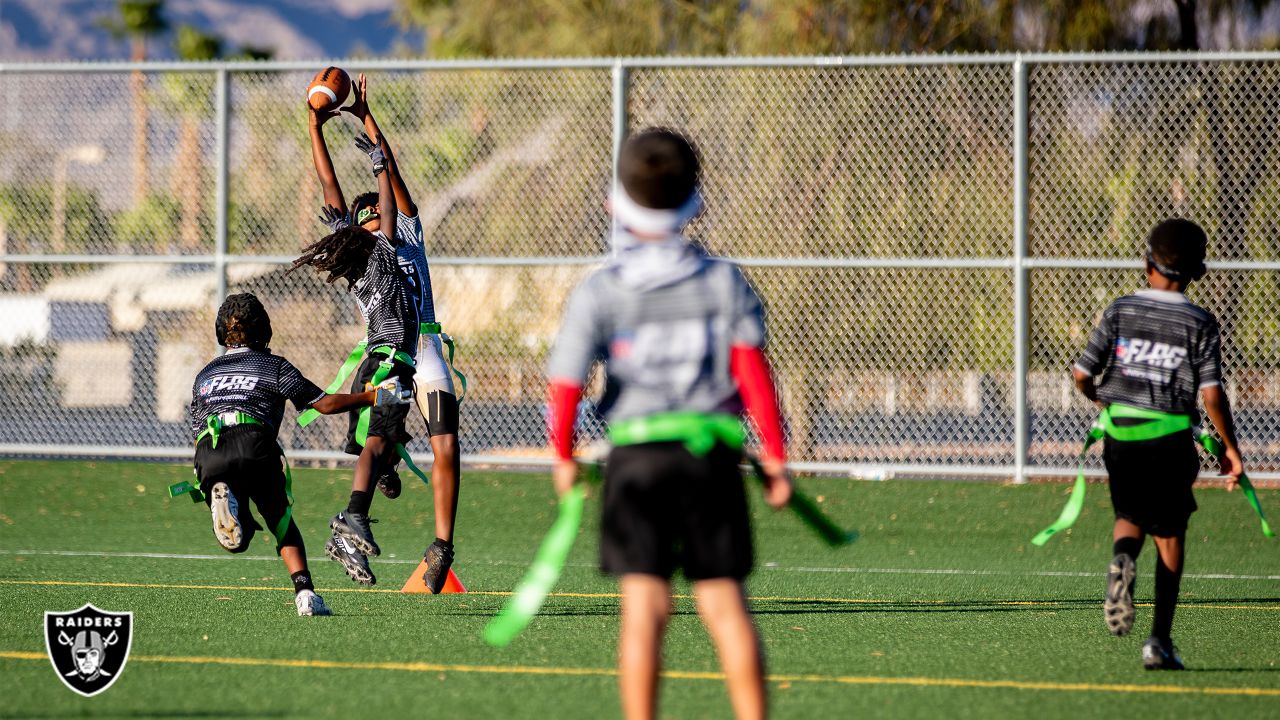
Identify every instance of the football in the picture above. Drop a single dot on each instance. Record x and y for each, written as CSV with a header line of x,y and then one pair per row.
x,y
329,88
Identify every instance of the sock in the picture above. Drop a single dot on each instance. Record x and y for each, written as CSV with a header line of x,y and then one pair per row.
x,y
360,502
1167,582
1130,546
446,543
302,581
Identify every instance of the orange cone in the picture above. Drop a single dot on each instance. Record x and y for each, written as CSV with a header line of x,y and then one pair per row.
x,y
415,584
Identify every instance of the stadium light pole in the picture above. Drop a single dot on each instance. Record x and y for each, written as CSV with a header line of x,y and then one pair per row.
x,y
85,155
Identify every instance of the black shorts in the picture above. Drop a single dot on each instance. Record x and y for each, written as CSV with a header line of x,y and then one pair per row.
x,y
665,508
1151,481
249,460
387,421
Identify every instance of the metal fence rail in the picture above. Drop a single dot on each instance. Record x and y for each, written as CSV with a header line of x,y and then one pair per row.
x,y
934,236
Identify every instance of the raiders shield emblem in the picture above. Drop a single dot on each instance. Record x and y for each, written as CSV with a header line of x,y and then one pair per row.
x,y
88,647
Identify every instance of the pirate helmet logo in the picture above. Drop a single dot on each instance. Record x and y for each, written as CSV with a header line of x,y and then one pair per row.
x,y
88,647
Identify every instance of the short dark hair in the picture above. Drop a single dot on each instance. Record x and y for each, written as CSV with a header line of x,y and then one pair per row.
x,y
658,168
243,322
368,199
1176,248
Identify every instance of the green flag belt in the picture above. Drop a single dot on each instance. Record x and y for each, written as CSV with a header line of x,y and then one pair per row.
x,y
186,486
699,432
390,355
214,424
1158,424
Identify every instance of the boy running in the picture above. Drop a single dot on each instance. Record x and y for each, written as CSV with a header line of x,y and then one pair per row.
x,y
237,404
436,397
681,335
1154,351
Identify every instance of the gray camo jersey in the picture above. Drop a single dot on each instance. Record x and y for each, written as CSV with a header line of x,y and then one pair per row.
x,y
251,382
663,322
383,295
1155,350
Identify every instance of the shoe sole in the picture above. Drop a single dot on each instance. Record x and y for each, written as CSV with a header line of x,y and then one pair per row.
x,y
226,526
389,491
366,547
357,572
1118,609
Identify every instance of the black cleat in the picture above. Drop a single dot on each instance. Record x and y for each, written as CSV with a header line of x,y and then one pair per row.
x,y
389,484
1160,654
439,558
1117,609
355,564
355,528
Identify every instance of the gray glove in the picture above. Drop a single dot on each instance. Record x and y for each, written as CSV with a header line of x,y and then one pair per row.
x,y
334,218
391,392
374,150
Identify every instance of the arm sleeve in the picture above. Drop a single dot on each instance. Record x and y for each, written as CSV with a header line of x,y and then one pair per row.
x,y
563,404
755,383
297,388
580,338
1209,357
1102,342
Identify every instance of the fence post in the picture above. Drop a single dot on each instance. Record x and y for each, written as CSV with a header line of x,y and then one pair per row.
x,y
1021,336
621,86
220,181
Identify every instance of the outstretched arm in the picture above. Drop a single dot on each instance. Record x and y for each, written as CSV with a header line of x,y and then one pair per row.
x,y
343,402
386,197
320,157
360,108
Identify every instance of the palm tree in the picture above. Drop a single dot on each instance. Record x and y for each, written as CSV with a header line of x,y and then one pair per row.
x,y
138,20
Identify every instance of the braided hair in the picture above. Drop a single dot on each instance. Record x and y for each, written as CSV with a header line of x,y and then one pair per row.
x,y
243,322
343,254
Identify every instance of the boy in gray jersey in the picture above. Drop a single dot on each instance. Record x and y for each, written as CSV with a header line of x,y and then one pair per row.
x,y
436,397
237,404
1155,351
681,335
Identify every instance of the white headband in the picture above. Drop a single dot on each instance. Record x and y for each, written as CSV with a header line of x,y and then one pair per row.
x,y
633,216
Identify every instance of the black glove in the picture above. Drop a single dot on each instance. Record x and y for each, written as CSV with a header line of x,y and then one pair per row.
x,y
334,218
374,150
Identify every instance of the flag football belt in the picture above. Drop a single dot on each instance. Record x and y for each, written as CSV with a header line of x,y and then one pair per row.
x,y
698,431
432,328
214,424
349,365
1158,424
188,487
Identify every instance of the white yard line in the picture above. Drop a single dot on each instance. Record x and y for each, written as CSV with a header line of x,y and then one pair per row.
x,y
768,566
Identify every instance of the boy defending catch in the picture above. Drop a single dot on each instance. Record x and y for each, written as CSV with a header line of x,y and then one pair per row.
x,y
437,398
1155,350
681,335
237,404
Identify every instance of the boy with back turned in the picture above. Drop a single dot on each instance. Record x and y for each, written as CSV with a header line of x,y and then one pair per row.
x,y
1154,351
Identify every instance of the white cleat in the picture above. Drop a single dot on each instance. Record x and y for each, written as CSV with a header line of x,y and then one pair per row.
x,y
226,517
309,604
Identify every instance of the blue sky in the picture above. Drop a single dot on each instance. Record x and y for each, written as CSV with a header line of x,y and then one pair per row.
x,y
44,30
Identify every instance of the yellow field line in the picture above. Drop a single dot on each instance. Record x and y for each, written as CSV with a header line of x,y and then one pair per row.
x,y
684,675
507,593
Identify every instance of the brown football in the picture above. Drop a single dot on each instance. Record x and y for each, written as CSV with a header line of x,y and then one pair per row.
x,y
329,88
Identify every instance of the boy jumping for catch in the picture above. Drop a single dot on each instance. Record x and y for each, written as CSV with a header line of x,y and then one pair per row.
x,y
436,397
1155,351
681,335
237,404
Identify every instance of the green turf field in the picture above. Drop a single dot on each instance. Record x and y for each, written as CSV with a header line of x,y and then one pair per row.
x,y
941,609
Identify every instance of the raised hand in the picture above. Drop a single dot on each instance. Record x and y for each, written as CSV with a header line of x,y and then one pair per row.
x,y
359,106
334,218
374,150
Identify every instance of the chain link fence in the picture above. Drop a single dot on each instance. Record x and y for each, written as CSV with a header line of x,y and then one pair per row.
x,y
934,237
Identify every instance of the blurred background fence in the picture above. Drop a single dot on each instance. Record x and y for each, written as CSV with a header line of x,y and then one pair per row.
x,y
934,236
